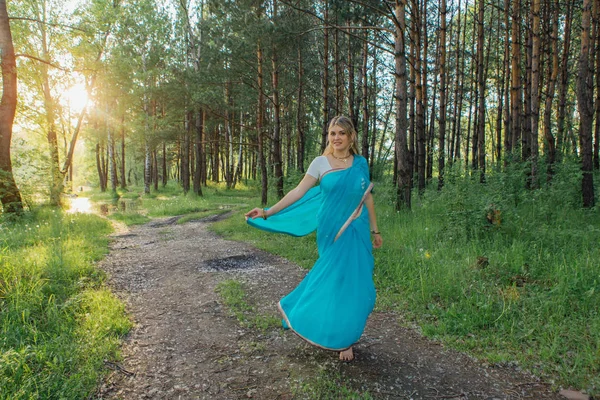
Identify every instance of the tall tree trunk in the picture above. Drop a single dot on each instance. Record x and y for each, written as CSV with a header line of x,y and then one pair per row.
x,y
561,134
508,144
228,157
526,117
338,71
185,151
184,164
535,95
474,92
424,37
455,116
240,165
473,98
165,172
595,57
365,100
515,91
442,134
300,138
205,144
373,112
123,180
585,103
155,169
461,93
277,159
199,139
147,149
99,167
260,128
419,93
431,129
325,77
501,96
403,199
412,98
352,109
481,90
549,140
56,186
10,196
112,163
216,148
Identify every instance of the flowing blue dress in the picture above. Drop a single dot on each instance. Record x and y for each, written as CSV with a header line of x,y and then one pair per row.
x,y
330,307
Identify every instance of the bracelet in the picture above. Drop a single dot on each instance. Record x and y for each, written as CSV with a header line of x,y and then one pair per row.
x,y
376,232
264,214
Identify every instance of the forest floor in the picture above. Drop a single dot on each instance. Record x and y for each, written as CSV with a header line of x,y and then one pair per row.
x,y
186,344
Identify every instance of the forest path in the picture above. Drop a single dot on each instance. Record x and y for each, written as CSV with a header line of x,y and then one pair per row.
x,y
185,344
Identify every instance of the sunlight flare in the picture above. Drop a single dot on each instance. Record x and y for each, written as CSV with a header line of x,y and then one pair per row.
x,y
76,97
80,205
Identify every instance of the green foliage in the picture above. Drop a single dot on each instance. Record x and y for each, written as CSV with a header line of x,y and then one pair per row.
x,y
58,322
503,271
234,297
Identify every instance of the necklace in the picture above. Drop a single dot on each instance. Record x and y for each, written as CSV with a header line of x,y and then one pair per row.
x,y
344,159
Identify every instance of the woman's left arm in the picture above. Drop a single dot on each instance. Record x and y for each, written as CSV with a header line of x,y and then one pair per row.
x,y
377,240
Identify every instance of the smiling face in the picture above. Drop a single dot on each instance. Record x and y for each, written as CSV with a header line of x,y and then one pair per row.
x,y
338,139
341,136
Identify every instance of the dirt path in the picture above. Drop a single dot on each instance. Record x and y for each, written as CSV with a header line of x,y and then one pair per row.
x,y
185,345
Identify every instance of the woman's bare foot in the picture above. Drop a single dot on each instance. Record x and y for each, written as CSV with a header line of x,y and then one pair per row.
x,y
347,355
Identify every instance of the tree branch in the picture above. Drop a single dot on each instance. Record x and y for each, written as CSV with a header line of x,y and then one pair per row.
x,y
49,24
42,61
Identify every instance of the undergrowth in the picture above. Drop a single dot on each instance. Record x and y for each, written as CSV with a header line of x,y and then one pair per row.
x,y
58,322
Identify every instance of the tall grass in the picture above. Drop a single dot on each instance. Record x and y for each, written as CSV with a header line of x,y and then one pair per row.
x,y
507,273
58,323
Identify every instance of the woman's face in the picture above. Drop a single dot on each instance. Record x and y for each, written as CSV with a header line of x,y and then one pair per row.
x,y
339,139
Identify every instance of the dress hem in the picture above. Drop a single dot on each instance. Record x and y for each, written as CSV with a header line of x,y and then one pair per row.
x,y
287,321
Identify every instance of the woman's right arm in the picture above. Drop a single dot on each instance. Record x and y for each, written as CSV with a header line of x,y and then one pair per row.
x,y
293,196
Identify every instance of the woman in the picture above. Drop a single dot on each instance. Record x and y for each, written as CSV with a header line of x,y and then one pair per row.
x,y
330,307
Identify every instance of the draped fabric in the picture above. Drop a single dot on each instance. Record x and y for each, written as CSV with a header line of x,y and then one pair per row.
x,y
330,307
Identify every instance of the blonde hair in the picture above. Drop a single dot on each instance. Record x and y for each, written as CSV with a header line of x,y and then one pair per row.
x,y
346,124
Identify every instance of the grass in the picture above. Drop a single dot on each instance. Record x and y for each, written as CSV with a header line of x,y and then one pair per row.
x,y
234,297
327,385
58,322
522,288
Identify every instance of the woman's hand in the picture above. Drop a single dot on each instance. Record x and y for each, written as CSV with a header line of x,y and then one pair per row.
x,y
377,240
254,213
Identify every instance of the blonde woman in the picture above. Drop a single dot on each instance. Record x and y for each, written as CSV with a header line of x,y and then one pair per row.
x,y
330,307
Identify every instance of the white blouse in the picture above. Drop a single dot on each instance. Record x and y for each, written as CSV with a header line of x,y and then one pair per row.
x,y
318,167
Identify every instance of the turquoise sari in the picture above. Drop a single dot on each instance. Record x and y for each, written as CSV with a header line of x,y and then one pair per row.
x,y
330,307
